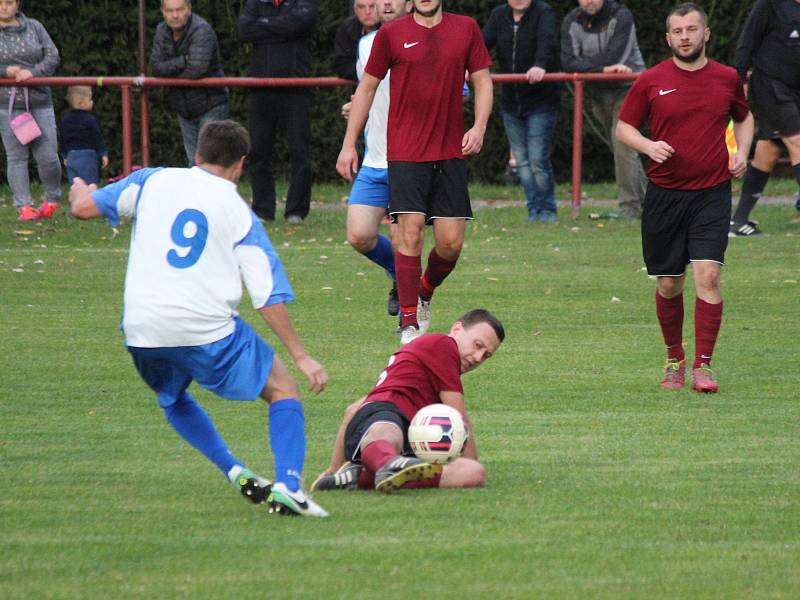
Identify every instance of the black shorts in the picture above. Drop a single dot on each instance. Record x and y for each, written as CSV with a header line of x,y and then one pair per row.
x,y
680,226
365,417
777,107
435,189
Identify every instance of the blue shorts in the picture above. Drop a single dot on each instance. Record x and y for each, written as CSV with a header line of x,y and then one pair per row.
x,y
235,367
371,187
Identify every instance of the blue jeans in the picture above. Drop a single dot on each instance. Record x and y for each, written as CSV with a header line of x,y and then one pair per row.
x,y
44,150
531,140
83,163
190,128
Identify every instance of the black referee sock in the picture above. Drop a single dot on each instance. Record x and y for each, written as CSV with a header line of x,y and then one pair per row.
x,y
755,180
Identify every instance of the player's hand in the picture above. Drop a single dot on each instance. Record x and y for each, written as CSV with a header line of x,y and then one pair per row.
x,y
737,165
535,74
472,142
314,372
104,161
618,68
347,163
660,151
346,108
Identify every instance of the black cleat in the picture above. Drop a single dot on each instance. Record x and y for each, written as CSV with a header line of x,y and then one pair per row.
x,y
345,478
392,303
256,489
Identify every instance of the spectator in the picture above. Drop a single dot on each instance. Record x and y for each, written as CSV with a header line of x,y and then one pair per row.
x,y
600,37
26,51
345,44
280,31
186,46
523,32
82,144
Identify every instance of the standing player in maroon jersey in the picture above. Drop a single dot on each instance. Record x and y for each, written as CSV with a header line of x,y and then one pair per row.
x,y
428,53
687,101
371,448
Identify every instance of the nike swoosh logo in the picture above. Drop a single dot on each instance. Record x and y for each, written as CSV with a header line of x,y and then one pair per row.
x,y
411,45
665,92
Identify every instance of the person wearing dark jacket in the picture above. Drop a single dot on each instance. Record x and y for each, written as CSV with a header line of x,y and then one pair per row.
x,y
599,36
348,34
770,45
523,35
185,46
280,32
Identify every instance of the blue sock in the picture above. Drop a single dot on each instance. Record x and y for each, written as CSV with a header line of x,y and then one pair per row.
x,y
194,425
287,437
383,255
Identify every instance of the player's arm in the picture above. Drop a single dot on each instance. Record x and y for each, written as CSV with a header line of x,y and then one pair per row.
x,y
338,457
657,151
277,318
347,163
743,132
472,142
456,400
81,204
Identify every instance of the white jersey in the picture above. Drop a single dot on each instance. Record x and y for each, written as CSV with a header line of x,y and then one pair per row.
x,y
193,241
375,130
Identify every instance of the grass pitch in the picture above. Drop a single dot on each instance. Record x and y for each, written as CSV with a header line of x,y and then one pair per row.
x,y
600,484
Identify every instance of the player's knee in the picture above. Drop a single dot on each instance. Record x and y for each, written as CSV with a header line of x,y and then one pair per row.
x,y
476,475
280,389
708,281
449,249
669,287
361,241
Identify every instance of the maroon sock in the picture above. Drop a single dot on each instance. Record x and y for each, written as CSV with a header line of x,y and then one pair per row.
x,y
707,319
424,483
408,270
376,454
366,481
435,273
670,317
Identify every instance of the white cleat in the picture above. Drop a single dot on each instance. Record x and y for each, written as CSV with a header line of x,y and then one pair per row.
x,y
284,502
408,334
423,315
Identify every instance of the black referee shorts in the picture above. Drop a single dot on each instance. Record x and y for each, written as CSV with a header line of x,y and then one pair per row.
x,y
435,189
777,107
365,417
681,226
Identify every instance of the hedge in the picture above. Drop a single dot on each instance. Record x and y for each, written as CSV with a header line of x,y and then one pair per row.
x,y
100,37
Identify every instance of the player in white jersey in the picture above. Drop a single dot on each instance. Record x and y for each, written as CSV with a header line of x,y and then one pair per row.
x,y
369,197
193,241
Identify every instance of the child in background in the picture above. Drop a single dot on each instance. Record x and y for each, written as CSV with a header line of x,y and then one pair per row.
x,y
82,144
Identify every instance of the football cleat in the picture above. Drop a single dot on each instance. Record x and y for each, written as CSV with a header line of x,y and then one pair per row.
x,y
743,229
286,503
28,213
392,303
409,333
345,478
703,380
424,315
254,488
402,469
48,209
674,375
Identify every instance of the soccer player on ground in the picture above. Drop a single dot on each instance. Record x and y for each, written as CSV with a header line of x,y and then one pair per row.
x,y
428,53
687,101
195,240
371,449
369,198
770,43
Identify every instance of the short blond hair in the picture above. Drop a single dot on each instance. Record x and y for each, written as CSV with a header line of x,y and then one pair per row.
x,y
75,93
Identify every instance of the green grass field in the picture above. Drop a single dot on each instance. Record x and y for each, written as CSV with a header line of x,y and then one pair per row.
x,y
601,485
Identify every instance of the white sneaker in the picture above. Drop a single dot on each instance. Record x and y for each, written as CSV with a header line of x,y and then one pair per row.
x,y
408,334
284,502
423,315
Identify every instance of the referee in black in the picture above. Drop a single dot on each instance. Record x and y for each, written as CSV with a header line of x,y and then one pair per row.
x,y
770,45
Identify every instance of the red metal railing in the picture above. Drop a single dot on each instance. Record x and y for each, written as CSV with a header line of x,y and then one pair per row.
x,y
126,83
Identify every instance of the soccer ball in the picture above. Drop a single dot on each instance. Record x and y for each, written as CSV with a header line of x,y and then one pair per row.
x,y
437,434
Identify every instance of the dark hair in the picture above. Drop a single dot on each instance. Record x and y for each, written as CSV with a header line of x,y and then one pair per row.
x,y
684,9
222,143
481,315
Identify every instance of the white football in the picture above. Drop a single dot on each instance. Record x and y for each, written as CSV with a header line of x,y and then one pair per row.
x,y
437,434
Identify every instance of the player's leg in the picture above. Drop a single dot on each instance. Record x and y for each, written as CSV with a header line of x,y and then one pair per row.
x,y
463,473
793,146
755,180
262,123
664,235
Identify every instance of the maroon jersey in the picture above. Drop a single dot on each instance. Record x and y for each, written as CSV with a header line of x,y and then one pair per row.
x,y
426,110
690,111
418,372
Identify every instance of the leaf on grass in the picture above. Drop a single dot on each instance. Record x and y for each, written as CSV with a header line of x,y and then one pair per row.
x,y
18,270
38,261
600,225
24,232
790,281
492,279
574,228
326,288
615,299
323,257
